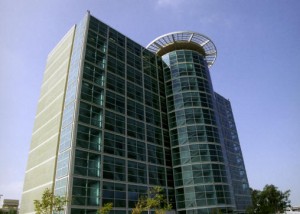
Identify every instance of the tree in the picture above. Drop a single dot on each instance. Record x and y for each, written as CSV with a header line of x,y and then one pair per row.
x,y
49,203
269,200
106,208
154,200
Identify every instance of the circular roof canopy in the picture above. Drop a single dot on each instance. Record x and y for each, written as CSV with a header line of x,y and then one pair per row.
x,y
184,40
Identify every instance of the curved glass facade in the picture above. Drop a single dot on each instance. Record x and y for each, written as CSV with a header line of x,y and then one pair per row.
x,y
198,164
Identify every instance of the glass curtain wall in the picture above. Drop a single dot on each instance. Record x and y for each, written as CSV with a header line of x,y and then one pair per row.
x,y
234,155
198,164
122,143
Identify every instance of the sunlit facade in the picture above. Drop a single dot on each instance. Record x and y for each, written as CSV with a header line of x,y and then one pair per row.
x,y
116,118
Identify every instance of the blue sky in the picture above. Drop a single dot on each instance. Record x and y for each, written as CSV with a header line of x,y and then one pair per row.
x,y
257,68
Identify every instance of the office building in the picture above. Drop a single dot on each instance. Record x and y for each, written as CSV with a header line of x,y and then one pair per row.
x,y
10,206
115,118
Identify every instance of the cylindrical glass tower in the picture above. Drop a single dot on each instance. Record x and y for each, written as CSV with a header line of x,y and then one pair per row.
x,y
200,177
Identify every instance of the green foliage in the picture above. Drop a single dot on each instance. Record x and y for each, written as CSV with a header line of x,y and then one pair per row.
x,y
155,200
269,200
12,211
106,208
49,203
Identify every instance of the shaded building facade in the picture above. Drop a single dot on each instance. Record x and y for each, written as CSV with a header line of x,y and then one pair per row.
x,y
115,118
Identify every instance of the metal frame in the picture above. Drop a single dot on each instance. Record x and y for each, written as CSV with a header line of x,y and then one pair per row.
x,y
184,40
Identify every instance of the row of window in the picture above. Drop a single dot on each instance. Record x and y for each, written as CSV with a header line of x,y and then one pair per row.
x,y
116,59
92,115
89,138
189,99
201,174
187,84
193,134
114,169
134,91
134,109
98,28
196,153
114,65
186,56
178,69
89,164
202,195
136,129
191,116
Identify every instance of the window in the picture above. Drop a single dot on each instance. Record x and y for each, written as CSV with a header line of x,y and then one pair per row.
x,y
150,69
135,129
134,193
97,41
154,135
98,26
115,193
88,138
156,175
89,114
150,84
115,66
114,144
133,60
149,57
134,92
62,168
114,168
93,74
91,93
114,122
115,102
152,100
85,192
134,75
115,83
155,154
135,110
95,56
136,150
116,51
133,47
87,164
153,116
116,37
137,172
